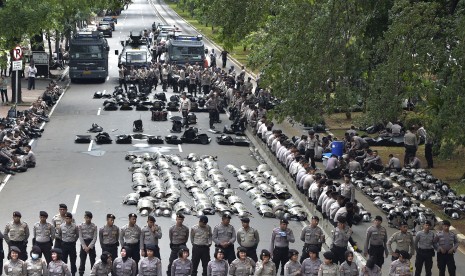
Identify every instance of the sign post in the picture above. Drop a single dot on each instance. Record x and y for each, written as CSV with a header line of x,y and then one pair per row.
x,y
17,66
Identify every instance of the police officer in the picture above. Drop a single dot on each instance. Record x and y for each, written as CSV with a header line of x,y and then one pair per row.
x,y
58,220
349,267
178,234
16,234
103,266
43,234
150,234
446,243
201,239
265,267
108,236
150,265
375,242
57,267
293,267
242,265
248,238
219,266
311,265
130,235
280,239
341,236
401,266
224,236
424,246
69,234
87,239
311,235
403,240
15,266
212,105
348,189
184,108
182,266
124,266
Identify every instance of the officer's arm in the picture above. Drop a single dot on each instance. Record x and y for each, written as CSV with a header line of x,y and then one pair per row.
x,y
113,270
44,268
158,233
290,236
192,235
352,195
365,248
94,239
384,242
141,268
159,268
302,234
232,269
209,269
238,238
141,240
286,270
456,243
257,237
412,247
215,235
415,242
94,270
233,236
121,236
52,232
81,239
273,236
77,232
258,269
26,231
226,267
209,235
187,234
66,269
436,243
389,242
100,236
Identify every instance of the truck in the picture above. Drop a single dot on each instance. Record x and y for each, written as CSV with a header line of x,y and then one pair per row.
x,y
136,51
88,56
182,49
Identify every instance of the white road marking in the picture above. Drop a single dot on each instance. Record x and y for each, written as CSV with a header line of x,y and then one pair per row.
x,y
98,111
169,113
108,77
4,182
90,145
76,201
180,148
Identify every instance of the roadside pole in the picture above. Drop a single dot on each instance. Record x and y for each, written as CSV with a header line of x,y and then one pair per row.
x,y
17,66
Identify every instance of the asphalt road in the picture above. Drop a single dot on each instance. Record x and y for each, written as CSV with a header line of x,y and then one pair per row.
x,y
96,178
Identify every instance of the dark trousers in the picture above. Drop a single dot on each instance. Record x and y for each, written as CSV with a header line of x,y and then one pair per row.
x,y
305,251
173,255
206,89
280,256
182,85
229,253
83,257
69,249
424,256
122,82
185,122
200,253
339,254
446,260
57,243
252,253
310,156
4,95
22,246
31,83
377,252
164,85
46,248
410,151
191,89
135,251
110,248
428,153
213,116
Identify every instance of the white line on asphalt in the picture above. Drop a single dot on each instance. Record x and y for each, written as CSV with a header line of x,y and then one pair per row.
x,y
104,92
90,145
108,77
169,113
4,182
180,148
76,201
98,111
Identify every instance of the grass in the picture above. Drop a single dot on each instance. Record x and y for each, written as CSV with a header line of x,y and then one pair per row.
x,y
237,52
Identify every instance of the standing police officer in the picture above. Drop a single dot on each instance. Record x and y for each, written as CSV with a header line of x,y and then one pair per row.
x,y
16,234
130,236
87,238
108,236
184,108
446,244
178,234
341,236
312,235
224,236
403,240
201,239
150,235
280,239
58,220
424,246
375,242
248,238
212,105
69,234
43,234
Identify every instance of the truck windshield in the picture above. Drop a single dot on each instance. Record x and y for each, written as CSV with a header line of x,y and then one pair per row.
x,y
136,57
86,51
179,52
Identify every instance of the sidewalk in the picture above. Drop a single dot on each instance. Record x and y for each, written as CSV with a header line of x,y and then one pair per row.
x,y
29,96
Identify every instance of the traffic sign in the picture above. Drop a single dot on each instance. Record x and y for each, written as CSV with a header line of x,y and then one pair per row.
x,y
17,53
17,65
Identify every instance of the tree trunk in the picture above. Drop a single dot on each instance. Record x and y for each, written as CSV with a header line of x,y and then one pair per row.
x,y
348,115
16,75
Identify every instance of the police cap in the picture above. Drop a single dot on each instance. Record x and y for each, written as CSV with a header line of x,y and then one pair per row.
x,y
180,215
242,249
293,252
17,214
379,218
15,249
428,222
56,250
246,220
203,219
226,216
151,218
341,219
316,218
313,249
132,215
111,216
63,206
404,222
446,222
88,214
68,215
43,214
150,247
284,221
329,255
